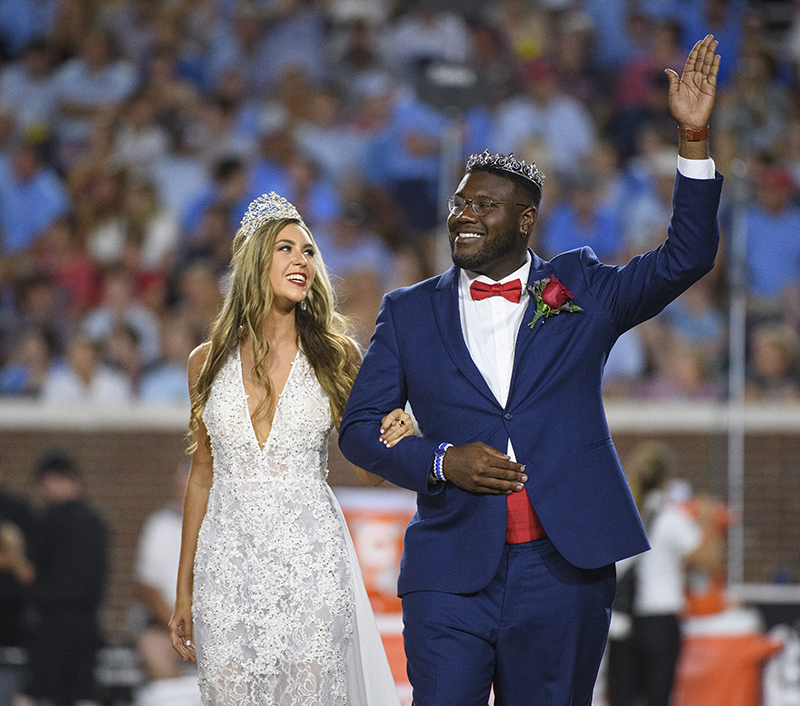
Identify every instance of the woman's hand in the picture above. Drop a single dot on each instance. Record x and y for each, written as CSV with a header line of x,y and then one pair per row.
x,y
181,633
395,426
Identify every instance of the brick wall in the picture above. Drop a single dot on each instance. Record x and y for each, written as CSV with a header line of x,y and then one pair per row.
x,y
129,456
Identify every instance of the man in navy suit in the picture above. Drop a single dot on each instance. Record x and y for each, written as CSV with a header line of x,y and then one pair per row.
x,y
507,575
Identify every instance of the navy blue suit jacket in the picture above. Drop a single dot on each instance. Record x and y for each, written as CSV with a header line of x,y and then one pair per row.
x,y
554,414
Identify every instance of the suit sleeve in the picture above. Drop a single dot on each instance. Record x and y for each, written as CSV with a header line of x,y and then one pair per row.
x,y
379,388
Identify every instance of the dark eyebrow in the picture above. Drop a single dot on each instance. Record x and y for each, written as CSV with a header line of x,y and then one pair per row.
x,y
293,243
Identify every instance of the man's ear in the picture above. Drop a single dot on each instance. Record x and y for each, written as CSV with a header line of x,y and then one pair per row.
x,y
527,220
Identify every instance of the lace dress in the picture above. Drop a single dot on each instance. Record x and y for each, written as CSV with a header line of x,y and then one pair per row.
x,y
280,612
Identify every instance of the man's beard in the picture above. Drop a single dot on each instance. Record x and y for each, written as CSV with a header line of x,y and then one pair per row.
x,y
492,250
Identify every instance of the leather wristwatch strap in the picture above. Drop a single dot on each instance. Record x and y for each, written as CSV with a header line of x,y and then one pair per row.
x,y
693,135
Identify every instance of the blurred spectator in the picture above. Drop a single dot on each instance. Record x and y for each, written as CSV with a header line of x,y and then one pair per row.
x,y
181,175
773,248
70,560
317,196
423,34
139,139
361,266
199,296
31,198
681,372
647,212
580,219
754,105
120,303
579,74
618,30
27,86
28,363
65,259
152,231
82,378
156,577
723,19
626,365
775,364
230,188
166,380
262,42
525,27
545,121
636,75
121,351
16,526
24,21
354,53
696,318
644,642
404,157
93,84
326,138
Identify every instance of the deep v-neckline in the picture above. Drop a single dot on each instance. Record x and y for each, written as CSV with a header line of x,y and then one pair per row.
x,y
277,404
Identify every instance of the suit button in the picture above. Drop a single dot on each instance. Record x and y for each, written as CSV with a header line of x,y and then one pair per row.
x,y
508,416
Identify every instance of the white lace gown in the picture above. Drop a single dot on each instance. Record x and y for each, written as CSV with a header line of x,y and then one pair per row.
x,y
280,612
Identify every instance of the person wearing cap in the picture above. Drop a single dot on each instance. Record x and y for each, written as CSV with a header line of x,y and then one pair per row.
x,y
523,508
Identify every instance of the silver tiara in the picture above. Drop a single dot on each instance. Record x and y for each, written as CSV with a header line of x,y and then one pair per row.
x,y
507,164
268,207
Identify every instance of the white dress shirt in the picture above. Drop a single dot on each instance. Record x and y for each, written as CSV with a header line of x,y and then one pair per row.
x,y
490,328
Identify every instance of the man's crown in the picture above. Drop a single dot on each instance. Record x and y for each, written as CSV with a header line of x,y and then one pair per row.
x,y
507,164
268,207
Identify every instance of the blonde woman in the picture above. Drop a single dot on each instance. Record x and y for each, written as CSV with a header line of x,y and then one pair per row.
x,y
270,601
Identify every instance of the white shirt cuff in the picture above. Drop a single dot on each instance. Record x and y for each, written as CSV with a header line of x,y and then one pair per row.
x,y
696,168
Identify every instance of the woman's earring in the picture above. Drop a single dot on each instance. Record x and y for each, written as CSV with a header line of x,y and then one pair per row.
x,y
303,305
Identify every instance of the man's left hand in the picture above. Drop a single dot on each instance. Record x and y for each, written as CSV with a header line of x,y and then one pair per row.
x,y
691,97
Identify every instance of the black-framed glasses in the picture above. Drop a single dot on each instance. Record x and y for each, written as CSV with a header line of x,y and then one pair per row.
x,y
481,205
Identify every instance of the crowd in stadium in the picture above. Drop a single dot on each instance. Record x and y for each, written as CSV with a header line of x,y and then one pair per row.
x,y
133,135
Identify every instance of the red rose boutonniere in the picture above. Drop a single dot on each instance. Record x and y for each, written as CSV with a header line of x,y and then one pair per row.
x,y
551,298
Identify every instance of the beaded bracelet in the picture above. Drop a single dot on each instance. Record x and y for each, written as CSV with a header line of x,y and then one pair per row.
x,y
438,458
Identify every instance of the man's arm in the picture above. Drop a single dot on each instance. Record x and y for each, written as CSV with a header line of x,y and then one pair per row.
x,y
381,386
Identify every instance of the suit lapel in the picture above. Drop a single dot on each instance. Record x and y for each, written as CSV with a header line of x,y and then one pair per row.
x,y
539,270
448,318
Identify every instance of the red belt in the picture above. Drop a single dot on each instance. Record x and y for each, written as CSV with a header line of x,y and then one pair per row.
x,y
522,524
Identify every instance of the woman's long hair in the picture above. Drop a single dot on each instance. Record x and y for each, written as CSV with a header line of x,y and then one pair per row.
x,y
321,330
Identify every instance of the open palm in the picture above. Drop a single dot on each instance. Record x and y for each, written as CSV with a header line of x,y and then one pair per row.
x,y
691,97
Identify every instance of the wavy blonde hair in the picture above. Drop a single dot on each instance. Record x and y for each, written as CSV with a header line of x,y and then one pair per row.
x,y
321,330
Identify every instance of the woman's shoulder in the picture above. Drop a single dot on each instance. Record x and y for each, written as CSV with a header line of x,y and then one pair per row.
x,y
197,358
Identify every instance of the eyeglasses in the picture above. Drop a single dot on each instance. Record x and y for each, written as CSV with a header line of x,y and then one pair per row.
x,y
480,205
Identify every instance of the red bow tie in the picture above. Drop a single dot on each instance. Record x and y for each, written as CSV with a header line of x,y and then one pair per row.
x,y
510,290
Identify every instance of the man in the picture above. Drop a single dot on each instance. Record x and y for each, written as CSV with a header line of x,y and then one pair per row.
x,y
507,576
70,560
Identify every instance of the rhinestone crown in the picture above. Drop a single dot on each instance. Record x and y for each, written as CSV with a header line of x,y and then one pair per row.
x,y
268,207
507,164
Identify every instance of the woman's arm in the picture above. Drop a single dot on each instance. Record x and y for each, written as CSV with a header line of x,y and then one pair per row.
x,y
194,509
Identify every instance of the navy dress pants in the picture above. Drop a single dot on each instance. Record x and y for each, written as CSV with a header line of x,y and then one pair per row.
x,y
536,633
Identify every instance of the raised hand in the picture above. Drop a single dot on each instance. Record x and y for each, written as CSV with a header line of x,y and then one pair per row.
x,y
480,468
691,97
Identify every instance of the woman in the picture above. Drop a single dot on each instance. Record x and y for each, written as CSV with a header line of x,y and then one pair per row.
x,y
269,592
